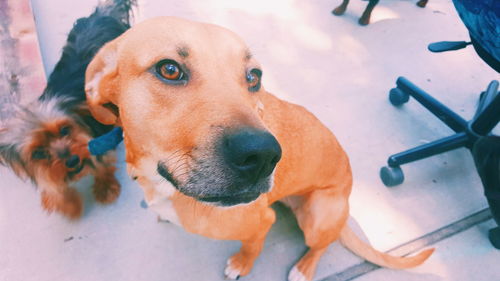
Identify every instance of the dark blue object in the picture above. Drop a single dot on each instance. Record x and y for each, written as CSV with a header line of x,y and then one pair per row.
x,y
482,19
466,133
106,142
486,153
469,134
445,46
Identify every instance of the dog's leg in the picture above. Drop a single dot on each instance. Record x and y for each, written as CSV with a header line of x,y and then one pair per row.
x,y
106,187
422,3
241,263
321,215
340,10
57,195
66,201
365,18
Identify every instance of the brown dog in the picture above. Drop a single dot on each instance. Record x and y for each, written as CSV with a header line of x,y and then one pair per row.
x,y
47,144
202,137
47,141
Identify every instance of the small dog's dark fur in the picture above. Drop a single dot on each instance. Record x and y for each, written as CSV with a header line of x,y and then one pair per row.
x,y
365,18
46,142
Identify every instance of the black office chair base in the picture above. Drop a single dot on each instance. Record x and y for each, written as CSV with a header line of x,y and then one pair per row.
x,y
469,134
466,132
494,236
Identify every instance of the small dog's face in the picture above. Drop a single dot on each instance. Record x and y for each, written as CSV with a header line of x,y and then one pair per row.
x,y
188,97
46,144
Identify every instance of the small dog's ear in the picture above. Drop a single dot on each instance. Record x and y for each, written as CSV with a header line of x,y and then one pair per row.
x,y
10,156
101,81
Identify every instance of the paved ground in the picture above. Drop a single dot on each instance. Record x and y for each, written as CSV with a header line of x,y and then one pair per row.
x,y
21,75
340,71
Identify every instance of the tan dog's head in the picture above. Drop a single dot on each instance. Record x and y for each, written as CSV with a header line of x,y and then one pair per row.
x,y
188,96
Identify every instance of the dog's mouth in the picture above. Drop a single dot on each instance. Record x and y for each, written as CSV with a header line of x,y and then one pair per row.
x,y
216,188
230,200
76,170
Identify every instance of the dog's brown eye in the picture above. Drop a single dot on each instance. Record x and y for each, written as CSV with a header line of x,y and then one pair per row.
x,y
253,79
169,70
64,131
39,153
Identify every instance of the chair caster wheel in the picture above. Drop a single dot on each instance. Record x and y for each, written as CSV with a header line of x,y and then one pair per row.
x,y
391,176
494,237
397,97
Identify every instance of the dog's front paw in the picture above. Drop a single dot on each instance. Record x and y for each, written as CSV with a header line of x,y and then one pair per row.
x,y
72,206
422,3
364,20
106,191
237,266
67,202
340,10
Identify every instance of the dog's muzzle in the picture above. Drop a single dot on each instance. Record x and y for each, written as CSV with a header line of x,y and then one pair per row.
x,y
238,172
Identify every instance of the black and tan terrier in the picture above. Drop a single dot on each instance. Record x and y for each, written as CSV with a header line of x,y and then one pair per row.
x,y
46,141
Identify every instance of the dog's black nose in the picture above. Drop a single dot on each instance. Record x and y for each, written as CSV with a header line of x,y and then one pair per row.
x,y
72,161
252,153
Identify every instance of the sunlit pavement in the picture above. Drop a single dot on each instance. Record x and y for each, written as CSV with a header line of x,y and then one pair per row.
x,y
340,71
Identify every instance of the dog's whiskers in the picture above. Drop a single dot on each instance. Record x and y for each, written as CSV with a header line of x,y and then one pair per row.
x,y
181,165
172,155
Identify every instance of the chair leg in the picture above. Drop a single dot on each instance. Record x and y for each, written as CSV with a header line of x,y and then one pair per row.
x,y
450,118
429,149
392,175
486,154
494,237
487,97
494,234
488,113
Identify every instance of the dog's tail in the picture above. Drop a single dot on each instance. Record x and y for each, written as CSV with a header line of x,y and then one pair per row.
x,y
351,241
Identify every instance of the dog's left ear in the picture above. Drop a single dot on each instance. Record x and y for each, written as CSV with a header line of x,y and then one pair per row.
x,y
101,84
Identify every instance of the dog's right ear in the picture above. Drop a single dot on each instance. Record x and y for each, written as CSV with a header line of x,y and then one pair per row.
x,y
101,84
10,155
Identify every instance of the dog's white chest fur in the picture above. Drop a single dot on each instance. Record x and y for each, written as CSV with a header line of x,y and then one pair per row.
x,y
165,210
159,193
160,202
